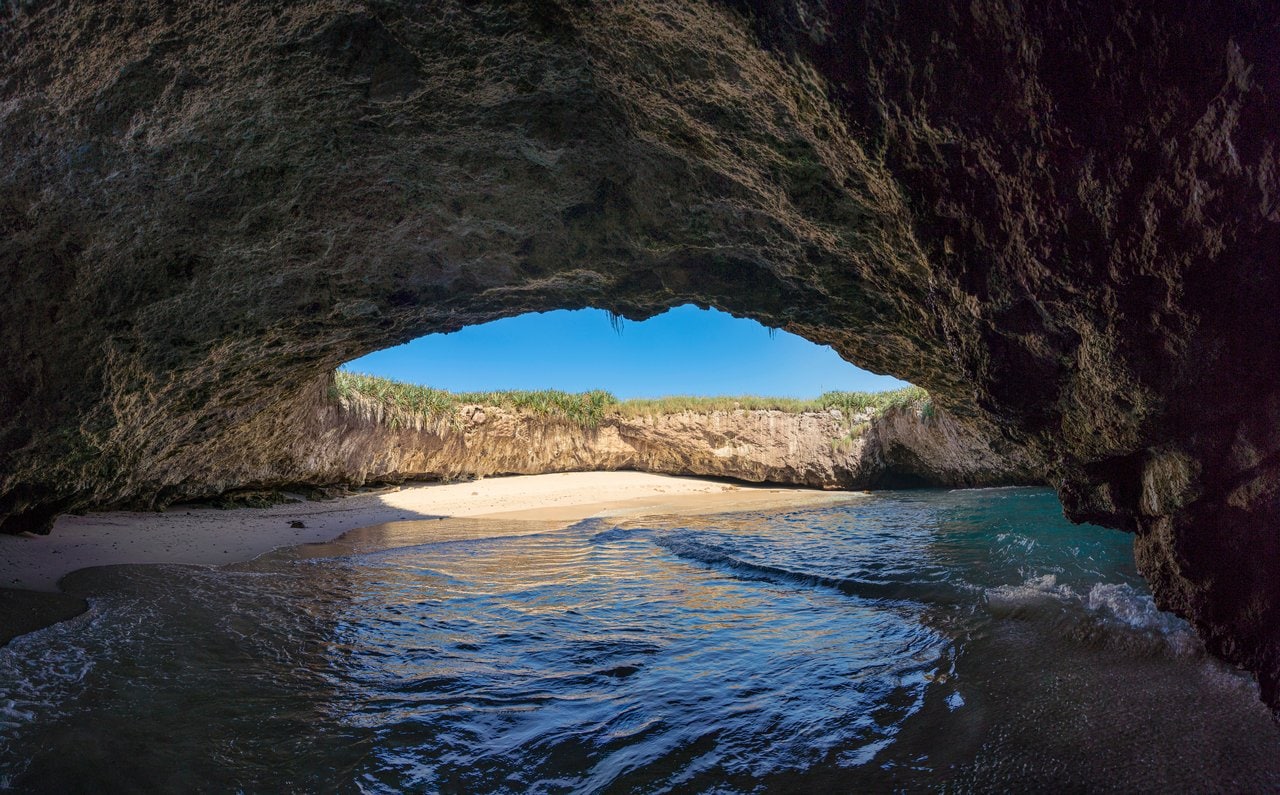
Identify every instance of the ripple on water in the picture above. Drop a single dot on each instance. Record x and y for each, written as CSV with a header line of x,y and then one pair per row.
x,y
973,639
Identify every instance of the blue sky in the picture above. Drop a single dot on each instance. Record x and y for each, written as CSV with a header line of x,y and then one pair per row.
x,y
687,351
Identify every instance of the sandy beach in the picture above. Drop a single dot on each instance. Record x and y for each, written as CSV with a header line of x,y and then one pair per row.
x,y
209,536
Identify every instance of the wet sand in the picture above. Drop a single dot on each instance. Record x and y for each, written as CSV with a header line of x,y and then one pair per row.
x,y
26,611
209,536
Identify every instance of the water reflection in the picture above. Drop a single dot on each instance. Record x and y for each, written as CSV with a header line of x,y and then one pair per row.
x,y
920,639
514,650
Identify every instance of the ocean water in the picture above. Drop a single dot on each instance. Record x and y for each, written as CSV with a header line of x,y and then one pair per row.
x,y
927,640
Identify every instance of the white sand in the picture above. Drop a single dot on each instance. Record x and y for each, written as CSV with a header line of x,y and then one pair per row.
x,y
212,536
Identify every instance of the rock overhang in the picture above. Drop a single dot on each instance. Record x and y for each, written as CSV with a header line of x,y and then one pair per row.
x,y
1063,221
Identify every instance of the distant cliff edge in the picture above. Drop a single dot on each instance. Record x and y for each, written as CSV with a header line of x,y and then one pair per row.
x,y
363,431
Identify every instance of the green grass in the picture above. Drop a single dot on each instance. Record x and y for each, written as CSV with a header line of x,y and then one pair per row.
x,y
590,408
583,408
849,403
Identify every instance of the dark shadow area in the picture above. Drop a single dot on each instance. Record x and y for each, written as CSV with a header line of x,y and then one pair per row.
x,y
26,611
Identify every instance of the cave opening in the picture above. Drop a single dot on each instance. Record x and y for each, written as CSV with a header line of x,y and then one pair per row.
x,y
685,351
1060,220
689,392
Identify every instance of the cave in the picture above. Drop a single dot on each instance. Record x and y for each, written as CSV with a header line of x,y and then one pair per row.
x,y
693,393
1063,221
684,352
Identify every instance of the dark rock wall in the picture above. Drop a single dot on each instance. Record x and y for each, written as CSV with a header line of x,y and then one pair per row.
x,y
1062,218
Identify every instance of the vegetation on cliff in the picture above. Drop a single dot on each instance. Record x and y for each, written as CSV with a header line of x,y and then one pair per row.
x,y
588,409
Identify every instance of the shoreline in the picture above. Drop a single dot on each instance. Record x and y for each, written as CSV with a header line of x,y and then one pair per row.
x,y
32,566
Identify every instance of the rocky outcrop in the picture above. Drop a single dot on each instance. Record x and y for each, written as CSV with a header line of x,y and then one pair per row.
x,y
1060,218
355,440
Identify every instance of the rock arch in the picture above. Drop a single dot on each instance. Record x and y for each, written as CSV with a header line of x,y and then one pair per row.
x,y
1062,220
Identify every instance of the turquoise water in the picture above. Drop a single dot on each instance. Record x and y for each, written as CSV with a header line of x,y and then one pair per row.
x,y
964,641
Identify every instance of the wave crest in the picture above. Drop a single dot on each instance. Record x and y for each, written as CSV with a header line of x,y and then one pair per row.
x,y
1109,614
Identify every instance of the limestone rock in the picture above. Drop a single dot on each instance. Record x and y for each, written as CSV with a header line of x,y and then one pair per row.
x,y
1060,218
355,440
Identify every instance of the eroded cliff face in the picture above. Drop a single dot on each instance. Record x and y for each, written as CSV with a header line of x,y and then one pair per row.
x,y
1062,219
354,440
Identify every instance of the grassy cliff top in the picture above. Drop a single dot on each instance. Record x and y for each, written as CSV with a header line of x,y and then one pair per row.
x,y
589,408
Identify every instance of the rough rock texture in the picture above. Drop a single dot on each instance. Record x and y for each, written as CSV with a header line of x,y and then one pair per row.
x,y
1062,218
354,440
